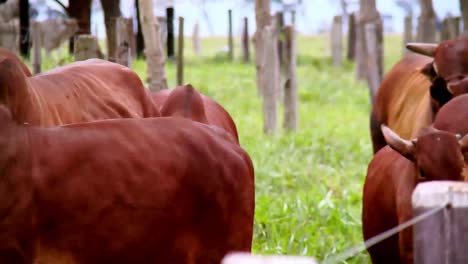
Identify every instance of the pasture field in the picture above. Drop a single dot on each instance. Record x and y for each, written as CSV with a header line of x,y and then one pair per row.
x,y
308,183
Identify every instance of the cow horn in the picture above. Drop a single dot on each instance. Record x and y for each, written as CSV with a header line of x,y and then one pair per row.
x,y
427,49
403,146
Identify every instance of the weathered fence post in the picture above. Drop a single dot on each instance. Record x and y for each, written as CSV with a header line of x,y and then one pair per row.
x,y
426,22
196,40
279,19
336,40
442,237
122,42
180,53
290,85
449,28
456,23
230,37
408,32
36,38
245,41
372,65
351,37
170,32
85,47
266,61
154,47
131,37
269,80
112,39
9,35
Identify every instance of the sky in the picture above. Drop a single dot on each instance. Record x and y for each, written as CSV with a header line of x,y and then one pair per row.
x,y
314,16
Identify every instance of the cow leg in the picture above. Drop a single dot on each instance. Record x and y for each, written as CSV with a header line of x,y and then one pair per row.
x,y
378,140
406,246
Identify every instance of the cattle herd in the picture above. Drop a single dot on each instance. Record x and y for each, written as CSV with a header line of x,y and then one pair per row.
x,y
420,112
97,169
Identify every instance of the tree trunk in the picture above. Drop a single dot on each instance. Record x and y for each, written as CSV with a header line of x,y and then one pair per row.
x,y
170,33
81,10
155,58
427,22
266,60
464,13
140,44
111,9
24,27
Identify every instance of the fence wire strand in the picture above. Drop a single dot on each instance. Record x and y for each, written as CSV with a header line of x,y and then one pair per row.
x,y
351,252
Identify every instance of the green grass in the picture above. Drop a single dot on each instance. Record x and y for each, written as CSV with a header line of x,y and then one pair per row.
x,y
308,183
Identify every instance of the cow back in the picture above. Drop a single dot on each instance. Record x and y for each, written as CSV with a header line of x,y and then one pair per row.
x,y
155,190
87,91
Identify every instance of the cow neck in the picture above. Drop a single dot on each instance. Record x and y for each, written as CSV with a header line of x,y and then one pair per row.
x,y
15,166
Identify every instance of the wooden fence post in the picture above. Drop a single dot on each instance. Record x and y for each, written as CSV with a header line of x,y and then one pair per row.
x,y
290,86
131,37
170,32
269,77
9,35
408,32
230,37
372,64
122,52
456,23
36,38
351,37
85,47
180,53
245,41
442,237
279,18
154,47
112,39
196,39
336,40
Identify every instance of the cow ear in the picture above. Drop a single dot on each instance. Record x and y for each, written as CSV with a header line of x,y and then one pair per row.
x,y
405,147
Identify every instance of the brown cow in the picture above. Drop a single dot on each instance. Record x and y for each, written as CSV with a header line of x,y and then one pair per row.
x,y
406,101
152,190
79,92
186,101
396,169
